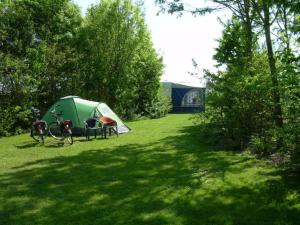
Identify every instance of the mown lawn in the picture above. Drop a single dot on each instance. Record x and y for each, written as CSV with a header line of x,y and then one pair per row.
x,y
161,173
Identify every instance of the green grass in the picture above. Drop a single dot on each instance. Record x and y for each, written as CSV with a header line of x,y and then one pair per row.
x,y
161,173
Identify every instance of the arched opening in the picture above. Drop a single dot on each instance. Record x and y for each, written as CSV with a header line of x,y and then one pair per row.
x,y
192,99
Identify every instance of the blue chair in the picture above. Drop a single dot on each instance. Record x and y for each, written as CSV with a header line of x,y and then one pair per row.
x,y
92,124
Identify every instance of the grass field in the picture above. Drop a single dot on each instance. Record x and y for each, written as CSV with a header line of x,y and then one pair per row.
x,y
161,173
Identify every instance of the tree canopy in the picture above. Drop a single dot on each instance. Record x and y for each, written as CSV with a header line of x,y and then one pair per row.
x,y
254,102
48,50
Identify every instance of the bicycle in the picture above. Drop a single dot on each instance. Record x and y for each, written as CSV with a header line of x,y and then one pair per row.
x,y
38,129
60,129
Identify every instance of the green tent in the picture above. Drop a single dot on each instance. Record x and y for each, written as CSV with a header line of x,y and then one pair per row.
x,y
78,110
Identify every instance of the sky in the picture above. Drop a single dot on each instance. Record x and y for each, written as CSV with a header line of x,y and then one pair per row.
x,y
179,40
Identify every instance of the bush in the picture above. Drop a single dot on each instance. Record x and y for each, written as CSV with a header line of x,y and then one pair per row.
x,y
14,120
291,142
262,145
160,106
212,130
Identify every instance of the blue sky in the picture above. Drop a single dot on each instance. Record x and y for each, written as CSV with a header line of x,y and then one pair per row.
x,y
179,40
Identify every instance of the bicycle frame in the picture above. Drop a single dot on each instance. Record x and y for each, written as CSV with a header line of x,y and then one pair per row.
x,y
60,129
64,124
38,127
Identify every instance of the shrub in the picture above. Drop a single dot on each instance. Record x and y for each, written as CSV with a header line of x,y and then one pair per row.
x,y
160,106
14,120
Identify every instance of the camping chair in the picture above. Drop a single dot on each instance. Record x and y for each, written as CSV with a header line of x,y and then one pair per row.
x,y
91,124
109,125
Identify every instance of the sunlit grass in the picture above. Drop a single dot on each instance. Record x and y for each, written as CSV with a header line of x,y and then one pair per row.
x,y
160,173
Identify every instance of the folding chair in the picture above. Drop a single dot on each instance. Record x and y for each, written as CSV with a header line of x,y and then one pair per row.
x,y
109,125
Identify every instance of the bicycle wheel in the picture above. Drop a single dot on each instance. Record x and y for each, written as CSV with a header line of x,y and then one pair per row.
x,y
36,135
55,131
68,135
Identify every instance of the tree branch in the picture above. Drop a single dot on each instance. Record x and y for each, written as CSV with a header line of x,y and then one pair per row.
x,y
276,14
256,8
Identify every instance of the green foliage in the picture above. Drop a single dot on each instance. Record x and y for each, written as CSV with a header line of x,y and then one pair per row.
x,y
37,55
160,106
231,49
14,120
254,101
290,82
120,65
240,96
47,51
264,144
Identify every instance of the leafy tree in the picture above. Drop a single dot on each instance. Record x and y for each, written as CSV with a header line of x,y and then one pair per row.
x,y
255,100
120,64
240,96
36,53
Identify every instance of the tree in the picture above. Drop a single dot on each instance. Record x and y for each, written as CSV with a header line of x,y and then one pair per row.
x,y
37,53
120,65
263,10
248,87
239,95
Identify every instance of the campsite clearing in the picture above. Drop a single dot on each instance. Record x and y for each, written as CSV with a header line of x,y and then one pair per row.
x,y
161,173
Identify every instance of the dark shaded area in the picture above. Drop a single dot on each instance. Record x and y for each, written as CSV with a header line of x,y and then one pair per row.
x,y
28,144
160,183
53,143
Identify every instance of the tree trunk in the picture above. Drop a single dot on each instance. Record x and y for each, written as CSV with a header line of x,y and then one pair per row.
x,y
286,29
248,29
273,71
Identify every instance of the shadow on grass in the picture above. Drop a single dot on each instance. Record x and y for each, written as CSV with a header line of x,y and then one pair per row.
x,y
31,144
28,144
174,181
53,143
